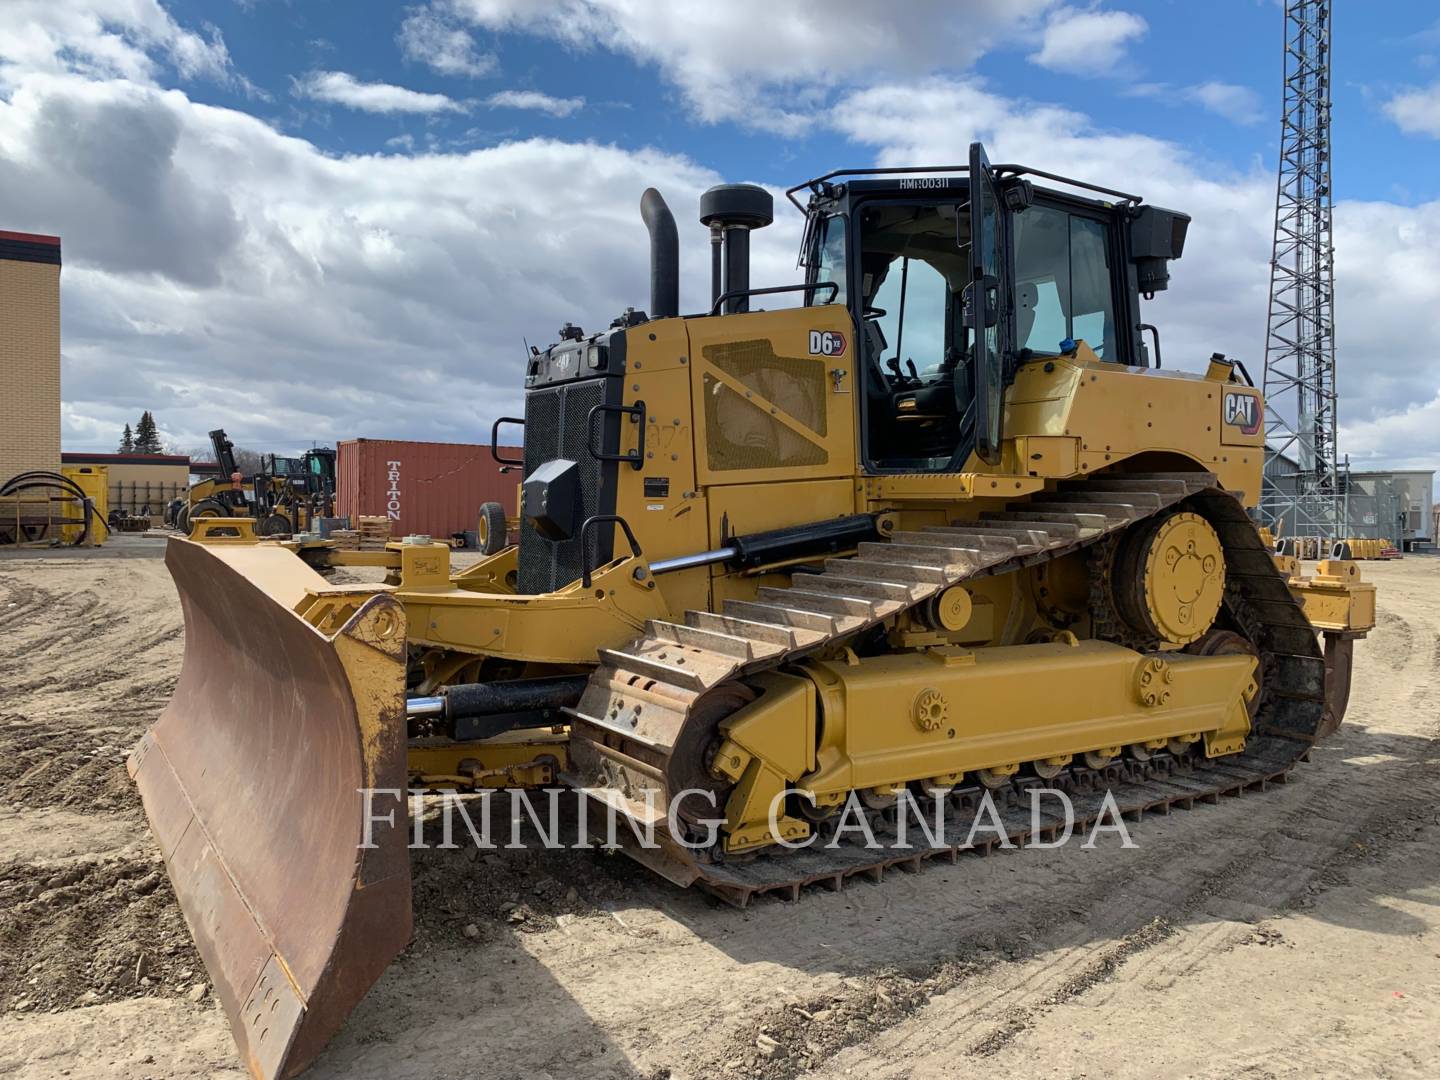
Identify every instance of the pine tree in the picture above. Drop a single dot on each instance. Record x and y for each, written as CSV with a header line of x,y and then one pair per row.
x,y
147,436
127,441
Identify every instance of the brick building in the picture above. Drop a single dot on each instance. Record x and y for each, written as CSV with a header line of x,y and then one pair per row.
x,y
29,353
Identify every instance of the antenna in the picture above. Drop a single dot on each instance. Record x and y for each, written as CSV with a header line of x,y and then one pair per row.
x,y
1301,494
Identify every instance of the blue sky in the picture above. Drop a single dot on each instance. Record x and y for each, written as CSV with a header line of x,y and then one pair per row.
x,y
310,220
1184,44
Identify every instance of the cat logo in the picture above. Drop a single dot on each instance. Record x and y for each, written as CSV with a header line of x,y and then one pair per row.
x,y
827,343
1243,411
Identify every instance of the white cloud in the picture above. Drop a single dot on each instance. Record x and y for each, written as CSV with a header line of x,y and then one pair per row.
x,y
104,39
1416,111
431,37
765,65
342,88
213,263
1087,42
535,101
1237,103
1404,439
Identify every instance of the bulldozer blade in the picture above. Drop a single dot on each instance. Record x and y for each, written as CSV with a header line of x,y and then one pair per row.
x,y
255,780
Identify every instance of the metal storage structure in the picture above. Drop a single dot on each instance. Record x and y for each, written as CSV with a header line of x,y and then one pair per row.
x,y
426,488
1396,505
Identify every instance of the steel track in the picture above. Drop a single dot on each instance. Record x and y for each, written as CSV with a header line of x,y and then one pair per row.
x,y
654,702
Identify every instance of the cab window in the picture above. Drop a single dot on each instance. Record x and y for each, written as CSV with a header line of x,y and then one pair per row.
x,y
830,262
911,273
1062,283
916,300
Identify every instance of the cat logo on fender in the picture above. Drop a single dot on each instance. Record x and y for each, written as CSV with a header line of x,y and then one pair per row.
x,y
827,343
1242,411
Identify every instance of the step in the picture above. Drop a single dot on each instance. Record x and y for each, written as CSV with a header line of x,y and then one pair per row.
x,y
758,632
710,640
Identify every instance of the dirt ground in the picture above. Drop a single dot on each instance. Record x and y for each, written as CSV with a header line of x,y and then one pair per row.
x,y
1295,932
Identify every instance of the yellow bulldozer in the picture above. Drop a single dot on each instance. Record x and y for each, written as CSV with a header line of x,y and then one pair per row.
x,y
944,533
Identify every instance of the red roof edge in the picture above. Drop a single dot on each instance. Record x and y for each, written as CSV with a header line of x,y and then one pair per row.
x,y
30,238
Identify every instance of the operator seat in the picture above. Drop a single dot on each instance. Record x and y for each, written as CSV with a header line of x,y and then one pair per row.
x,y
1027,298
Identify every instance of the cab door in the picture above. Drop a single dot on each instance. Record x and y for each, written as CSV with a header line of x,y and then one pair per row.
x,y
986,303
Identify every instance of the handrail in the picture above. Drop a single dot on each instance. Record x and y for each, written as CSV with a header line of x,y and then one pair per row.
x,y
599,519
636,457
737,293
495,440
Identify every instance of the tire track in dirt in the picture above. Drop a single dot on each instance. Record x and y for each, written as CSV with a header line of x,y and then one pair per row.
x,y
95,654
1002,1003
1173,909
1071,936
1337,814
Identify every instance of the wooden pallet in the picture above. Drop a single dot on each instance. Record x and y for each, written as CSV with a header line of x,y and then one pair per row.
x,y
374,532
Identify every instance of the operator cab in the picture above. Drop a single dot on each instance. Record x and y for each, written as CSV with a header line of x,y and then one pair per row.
x,y
1051,268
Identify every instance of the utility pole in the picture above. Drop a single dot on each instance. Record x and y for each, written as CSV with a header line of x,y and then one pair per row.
x,y
1302,494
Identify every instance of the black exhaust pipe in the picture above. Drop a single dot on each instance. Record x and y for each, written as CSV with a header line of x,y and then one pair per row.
x,y
664,255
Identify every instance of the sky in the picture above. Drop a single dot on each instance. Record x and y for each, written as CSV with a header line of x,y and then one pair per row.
x,y
312,220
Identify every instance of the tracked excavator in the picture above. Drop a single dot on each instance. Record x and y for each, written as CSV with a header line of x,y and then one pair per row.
x,y
943,532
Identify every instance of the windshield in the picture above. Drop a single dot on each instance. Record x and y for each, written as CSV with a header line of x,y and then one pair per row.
x,y
829,261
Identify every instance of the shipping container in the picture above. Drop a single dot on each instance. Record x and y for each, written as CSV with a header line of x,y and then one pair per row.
x,y
428,488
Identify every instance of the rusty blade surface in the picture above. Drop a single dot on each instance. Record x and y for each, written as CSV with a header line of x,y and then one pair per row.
x,y
252,782
1339,661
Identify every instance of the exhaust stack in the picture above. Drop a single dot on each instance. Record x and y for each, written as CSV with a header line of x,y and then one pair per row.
x,y
731,211
664,255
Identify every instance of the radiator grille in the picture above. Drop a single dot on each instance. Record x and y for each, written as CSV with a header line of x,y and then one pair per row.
x,y
555,427
743,431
